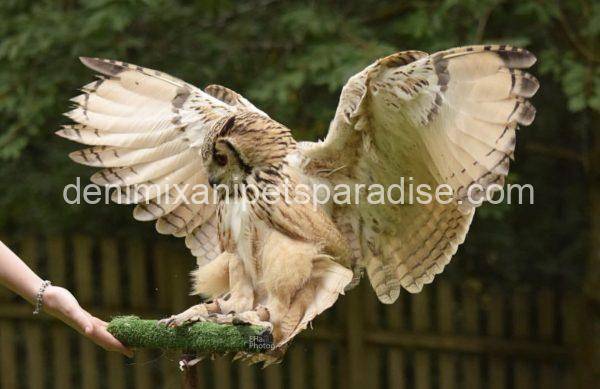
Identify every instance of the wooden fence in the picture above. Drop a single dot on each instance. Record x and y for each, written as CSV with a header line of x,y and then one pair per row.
x,y
448,336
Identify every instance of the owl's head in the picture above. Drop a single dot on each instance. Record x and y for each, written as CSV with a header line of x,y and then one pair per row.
x,y
243,144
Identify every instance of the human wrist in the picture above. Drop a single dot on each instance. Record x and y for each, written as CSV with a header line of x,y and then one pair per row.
x,y
51,298
40,295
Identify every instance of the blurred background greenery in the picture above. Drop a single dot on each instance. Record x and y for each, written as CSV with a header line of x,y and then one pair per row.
x,y
291,59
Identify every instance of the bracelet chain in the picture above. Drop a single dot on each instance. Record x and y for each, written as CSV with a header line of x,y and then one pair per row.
x,y
39,298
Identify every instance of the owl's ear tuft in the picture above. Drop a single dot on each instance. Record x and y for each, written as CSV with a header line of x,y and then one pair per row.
x,y
227,126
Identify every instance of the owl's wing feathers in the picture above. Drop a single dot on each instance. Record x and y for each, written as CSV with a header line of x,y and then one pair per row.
x,y
446,118
145,128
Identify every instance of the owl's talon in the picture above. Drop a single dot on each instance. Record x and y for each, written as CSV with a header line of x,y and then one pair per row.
x,y
197,313
237,321
258,317
167,322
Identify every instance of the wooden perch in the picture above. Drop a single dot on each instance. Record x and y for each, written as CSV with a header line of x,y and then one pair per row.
x,y
201,337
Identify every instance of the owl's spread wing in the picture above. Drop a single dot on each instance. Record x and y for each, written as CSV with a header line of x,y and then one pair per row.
x,y
445,118
145,128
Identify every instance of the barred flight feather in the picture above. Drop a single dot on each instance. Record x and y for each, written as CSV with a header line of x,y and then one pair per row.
x,y
142,125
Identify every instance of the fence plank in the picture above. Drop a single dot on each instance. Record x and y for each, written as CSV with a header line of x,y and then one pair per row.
x,y
371,305
89,365
162,274
171,375
200,376
60,334
395,357
181,286
111,274
495,328
8,356
273,376
169,297
173,283
82,253
446,311
522,330
137,269
421,324
82,257
341,315
322,366
571,316
61,345
222,372
247,376
115,371
355,337
30,252
297,366
35,361
57,260
471,363
112,299
546,320
142,370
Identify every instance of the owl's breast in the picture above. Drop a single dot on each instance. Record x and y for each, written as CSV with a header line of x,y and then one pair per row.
x,y
237,230
234,218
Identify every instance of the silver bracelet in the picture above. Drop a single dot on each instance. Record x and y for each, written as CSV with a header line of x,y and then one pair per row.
x,y
39,297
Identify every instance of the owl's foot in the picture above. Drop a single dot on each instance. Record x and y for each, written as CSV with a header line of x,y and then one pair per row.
x,y
258,317
210,313
197,313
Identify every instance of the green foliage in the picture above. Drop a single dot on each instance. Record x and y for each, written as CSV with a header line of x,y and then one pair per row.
x,y
291,59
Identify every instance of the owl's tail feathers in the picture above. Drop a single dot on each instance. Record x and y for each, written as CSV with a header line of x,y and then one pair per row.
x,y
327,281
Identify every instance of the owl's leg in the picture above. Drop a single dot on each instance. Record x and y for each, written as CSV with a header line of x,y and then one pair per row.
x,y
210,280
241,291
237,306
287,266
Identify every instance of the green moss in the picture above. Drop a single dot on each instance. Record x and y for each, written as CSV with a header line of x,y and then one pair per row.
x,y
204,337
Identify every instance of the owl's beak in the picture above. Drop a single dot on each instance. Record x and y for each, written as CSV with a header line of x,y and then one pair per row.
x,y
213,181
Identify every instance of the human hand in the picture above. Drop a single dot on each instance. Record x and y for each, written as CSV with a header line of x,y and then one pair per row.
x,y
60,303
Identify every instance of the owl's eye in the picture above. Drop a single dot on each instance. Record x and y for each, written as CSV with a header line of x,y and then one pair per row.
x,y
220,159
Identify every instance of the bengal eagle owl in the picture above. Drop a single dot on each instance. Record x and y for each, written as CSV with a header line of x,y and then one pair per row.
x,y
448,117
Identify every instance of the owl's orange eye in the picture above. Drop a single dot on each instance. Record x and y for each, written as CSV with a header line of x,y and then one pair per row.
x,y
220,159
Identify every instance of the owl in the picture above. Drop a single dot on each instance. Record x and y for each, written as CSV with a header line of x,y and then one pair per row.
x,y
445,118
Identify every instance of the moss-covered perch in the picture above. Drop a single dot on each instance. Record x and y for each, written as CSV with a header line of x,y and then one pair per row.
x,y
201,337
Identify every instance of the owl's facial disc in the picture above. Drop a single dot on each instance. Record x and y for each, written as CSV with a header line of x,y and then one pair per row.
x,y
225,165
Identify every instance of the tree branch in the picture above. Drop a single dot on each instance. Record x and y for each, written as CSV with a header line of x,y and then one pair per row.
x,y
202,337
483,20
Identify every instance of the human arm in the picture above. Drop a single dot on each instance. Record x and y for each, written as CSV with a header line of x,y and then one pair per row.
x,y
57,301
